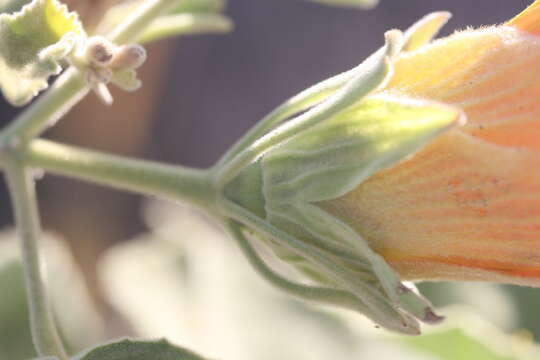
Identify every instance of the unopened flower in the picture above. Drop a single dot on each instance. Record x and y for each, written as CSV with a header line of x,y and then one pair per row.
x,y
390,184
467,207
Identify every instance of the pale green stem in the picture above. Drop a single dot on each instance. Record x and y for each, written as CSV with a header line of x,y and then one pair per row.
x,y
147,177
23,197
67,90
185,24
130,29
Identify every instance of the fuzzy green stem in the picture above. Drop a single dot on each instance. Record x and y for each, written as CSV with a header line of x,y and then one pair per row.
x,y
129,30
23,197
146,177
185,24
67,90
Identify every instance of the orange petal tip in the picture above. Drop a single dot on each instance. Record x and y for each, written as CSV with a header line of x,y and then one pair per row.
x,y
528,20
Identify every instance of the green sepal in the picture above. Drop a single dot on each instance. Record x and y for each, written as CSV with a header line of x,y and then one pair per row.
x,y
425,29
315,226
138,350
33,41
333,157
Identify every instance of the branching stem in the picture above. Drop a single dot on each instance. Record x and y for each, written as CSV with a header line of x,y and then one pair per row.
x,y
67,91
23,197
147,177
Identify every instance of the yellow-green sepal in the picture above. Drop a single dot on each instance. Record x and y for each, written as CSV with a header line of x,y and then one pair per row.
x,y
425,29
333,157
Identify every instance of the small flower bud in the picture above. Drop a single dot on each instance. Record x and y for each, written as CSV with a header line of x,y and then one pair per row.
x,y
128,57
99,51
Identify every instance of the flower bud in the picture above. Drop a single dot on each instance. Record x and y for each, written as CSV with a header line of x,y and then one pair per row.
x,y
326,161
99,51
389,188
128,57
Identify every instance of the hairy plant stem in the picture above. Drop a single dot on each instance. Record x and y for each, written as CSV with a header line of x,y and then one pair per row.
x,y
67,91
185,24
129,30
22,190
147,177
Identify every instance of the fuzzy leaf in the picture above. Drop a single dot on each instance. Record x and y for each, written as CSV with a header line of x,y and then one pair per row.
x,y
32,42
139,350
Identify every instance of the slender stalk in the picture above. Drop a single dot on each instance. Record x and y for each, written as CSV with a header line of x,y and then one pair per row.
x,y
129,30
67,90
185,24
23,197
168,181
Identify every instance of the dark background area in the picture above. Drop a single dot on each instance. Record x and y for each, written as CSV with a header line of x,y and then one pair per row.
x,y
201,93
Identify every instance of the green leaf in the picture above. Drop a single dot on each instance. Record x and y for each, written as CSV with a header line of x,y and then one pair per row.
x,y
78,332
139,350
15,341
455,344
32,42
333,157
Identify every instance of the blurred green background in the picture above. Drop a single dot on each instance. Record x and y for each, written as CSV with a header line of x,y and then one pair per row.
x,y
156,270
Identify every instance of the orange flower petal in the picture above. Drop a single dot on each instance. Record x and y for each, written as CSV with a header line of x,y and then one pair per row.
x,y
491,73
529,19
460,209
